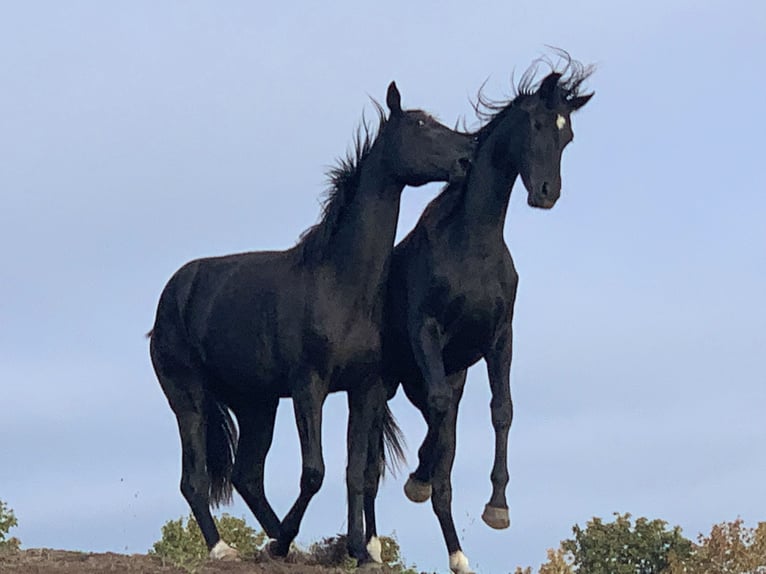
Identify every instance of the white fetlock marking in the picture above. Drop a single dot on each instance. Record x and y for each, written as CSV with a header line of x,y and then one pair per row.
x,y
458,563
375,549
222,551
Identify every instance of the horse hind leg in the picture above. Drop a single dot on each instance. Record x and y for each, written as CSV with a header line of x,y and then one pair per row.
x,y
197,416
256,426
441,499
425,339
385,435
308,397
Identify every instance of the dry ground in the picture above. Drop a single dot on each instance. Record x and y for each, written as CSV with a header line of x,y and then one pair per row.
x,y
46,561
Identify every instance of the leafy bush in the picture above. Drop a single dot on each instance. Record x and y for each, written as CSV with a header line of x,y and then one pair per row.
x,y
182,544
730,547
618,547
7,521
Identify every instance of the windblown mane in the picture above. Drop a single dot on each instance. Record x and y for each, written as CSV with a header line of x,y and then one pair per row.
x,y
573,76
492,112
344,180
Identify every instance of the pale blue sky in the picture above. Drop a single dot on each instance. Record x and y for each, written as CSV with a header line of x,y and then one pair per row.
x,y
136,136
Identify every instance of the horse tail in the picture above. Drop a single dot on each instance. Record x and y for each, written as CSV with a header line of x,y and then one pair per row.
x,y
392,454
221,449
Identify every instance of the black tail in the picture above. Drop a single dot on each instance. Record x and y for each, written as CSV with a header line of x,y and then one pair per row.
x,y
392,453
221,449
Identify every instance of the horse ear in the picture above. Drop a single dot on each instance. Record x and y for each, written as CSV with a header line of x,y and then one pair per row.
x,y
394,99
578,102
548,90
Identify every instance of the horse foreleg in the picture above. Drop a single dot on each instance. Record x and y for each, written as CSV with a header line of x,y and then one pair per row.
x,y
496,512
308,398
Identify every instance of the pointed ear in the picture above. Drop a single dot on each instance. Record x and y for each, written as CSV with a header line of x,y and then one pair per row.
x,y
576,103
394,99
548,90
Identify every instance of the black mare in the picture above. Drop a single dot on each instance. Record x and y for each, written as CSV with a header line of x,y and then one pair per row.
x,y
233,334
452,288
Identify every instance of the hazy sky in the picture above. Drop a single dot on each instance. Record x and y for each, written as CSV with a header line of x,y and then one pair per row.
x,y
135,136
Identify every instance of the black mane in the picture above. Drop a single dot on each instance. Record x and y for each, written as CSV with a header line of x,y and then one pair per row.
x,y
492,112
573,76
343,182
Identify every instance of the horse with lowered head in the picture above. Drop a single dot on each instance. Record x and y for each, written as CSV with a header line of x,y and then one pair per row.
x,y
233,334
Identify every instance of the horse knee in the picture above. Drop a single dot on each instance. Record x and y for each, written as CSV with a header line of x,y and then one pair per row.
x,y
441,497
502,417
195,488
439,401
311,479
242,481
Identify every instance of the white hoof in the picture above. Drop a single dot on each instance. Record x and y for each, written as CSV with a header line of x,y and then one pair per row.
x,y
375,549
222,551
458,563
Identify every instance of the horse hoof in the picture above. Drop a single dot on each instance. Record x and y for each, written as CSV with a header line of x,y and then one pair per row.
x,y
497,518
458,563
375,550
370,567
224,552
275,550
416,490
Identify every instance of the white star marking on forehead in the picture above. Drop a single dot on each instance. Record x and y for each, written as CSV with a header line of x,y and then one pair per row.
x,y
561,121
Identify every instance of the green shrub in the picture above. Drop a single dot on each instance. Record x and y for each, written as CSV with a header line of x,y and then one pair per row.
x,y
182,544
7,521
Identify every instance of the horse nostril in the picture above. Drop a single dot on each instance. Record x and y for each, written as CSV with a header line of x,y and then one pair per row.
x,y
545,188
464,163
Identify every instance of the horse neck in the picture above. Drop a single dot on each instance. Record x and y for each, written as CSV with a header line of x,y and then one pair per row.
x,y
485,200
364,239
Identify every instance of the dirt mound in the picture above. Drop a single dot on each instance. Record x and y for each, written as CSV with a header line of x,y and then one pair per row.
x,y
45,561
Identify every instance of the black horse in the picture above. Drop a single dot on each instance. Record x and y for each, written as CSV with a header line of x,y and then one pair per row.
x,y
452,287
236,333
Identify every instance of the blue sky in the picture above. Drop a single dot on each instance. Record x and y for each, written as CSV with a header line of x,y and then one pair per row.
x,y
137,136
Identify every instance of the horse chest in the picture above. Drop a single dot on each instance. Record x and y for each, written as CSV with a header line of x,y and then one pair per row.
x,y
477,302
344,349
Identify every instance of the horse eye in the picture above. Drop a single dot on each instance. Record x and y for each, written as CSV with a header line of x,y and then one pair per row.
x,y
538,125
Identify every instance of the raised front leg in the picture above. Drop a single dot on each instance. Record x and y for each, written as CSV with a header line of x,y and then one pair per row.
x,y
308,400
426,341
498,360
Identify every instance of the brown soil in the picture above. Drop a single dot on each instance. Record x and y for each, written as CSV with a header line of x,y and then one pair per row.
x,y
45,561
